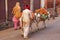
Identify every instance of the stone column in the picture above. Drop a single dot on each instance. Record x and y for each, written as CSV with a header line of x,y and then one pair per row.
x,y
46,4
54,4
42,3
31,5
6,7
55,11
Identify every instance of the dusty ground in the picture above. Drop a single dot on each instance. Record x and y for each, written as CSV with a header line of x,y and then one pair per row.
x,y
52,32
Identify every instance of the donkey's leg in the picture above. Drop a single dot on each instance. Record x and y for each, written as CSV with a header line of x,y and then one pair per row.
x,y
44,24
26,29
31,21
37,24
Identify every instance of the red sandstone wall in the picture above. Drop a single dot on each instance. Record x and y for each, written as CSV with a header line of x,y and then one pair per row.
x,y
50,3
11,3
2,11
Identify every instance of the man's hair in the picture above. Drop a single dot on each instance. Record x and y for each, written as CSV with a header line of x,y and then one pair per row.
x,y
26,5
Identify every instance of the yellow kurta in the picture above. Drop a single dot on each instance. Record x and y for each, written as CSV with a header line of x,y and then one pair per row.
x,y
16,12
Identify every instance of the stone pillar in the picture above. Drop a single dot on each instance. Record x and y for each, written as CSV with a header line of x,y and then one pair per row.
x,y
31,5
46,4
42,3
6,7
54,4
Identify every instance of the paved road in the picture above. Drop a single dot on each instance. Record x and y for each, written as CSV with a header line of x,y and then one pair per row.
x,y
52,32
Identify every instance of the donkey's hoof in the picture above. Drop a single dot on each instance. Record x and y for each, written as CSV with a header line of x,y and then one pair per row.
x,y
22,35
38,29
26,38
43,28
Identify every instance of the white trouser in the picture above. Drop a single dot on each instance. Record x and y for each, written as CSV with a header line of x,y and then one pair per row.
x,y
26,30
